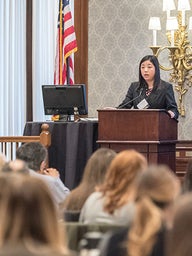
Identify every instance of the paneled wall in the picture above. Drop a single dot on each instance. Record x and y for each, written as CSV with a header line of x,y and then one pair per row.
x,y
118,37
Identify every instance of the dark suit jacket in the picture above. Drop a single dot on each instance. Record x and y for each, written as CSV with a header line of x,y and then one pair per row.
x,y
161,97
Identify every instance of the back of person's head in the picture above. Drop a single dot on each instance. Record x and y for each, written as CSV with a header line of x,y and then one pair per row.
x,y
120,178
16,165
187,181
97,165
157,189
93,176
27,212
33,153
179,242
159,184
153,59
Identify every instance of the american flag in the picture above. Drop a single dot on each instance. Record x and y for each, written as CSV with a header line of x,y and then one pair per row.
x,y
66,45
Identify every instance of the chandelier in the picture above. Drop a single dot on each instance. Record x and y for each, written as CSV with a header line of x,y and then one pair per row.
x,y
180,51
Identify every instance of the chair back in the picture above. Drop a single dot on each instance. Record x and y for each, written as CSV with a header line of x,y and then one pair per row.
x,y
71,216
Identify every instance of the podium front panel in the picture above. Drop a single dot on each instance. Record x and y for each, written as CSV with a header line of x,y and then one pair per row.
x,y
136,125
151,132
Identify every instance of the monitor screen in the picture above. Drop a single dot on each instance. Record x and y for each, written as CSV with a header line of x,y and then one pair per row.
x,y
64,99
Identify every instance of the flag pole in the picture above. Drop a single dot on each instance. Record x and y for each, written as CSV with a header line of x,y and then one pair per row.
x,y
68,70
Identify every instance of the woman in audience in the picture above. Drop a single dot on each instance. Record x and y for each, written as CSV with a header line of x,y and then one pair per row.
x,y
113,202
157,189
180,236
28,218
93,177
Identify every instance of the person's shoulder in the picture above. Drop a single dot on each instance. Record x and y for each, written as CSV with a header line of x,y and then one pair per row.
x,y
34,173
165,84
134,86
93,199
135,83
47,178
90,207
95,195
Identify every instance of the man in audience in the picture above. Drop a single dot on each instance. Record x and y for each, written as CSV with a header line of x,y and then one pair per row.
x,y
36,155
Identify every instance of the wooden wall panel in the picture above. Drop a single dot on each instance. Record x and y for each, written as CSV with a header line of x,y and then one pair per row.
x,y
81,29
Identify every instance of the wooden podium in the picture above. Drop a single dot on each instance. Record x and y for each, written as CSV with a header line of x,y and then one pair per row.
x,y
151,132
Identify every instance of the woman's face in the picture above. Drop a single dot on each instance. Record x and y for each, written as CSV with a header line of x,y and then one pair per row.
x,y
148,71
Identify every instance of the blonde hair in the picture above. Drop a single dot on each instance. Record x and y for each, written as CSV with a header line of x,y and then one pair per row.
x,y
157,188
118,186
28,214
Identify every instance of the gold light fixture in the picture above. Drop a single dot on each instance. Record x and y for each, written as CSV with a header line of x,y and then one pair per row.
x,y
180,51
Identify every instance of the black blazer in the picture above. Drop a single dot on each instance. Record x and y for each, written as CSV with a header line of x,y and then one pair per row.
x,y
161,97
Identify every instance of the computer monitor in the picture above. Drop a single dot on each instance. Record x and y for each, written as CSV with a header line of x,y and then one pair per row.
x,y
64,99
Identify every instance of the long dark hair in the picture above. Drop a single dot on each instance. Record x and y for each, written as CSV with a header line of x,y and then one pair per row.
x,y
153,59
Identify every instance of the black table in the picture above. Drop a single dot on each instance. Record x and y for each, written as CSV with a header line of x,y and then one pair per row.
x,y
72,143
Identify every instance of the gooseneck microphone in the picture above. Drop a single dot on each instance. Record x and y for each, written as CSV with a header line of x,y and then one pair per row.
x,y
126,103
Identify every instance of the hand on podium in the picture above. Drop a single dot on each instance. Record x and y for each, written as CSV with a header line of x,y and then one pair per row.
x,y
171,113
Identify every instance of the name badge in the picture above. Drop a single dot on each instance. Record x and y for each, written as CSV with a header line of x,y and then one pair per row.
x,y
143,104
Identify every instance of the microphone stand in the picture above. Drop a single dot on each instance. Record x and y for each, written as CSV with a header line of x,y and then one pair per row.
x,y
126,103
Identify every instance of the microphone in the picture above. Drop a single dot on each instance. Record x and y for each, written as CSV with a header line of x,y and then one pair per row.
x,y
126,103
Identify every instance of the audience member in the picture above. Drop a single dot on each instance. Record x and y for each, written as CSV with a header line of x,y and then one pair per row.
x,y
35,155
113,202
2,160
157,189
93,177
181,232
187,182
28,218
17,165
